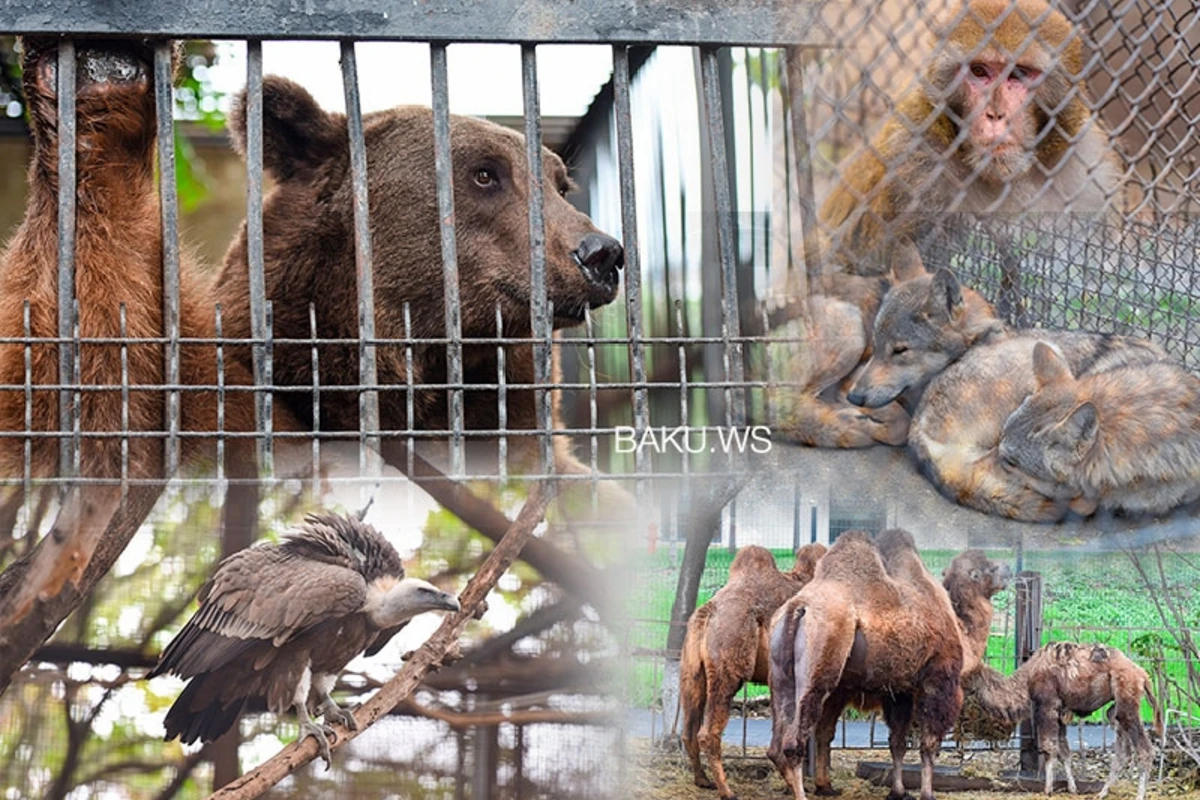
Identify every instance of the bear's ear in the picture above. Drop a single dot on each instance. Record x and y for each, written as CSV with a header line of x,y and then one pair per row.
x,y
298,135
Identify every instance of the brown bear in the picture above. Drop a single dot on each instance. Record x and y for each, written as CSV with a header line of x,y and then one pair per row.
x,y
308,228
118,272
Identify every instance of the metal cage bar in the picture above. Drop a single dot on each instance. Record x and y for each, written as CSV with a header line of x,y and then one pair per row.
x,y
169,203
254,245
67,410
540,311
368,400
629,232
444,170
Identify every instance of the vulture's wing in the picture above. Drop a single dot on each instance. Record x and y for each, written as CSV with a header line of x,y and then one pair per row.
x,y
260,595
383,637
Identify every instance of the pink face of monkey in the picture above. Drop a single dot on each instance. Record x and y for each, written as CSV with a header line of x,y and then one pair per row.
x,y
1000,109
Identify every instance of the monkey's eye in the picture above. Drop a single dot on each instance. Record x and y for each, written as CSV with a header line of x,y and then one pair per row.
x,y
981,71
897,349
1024,74
564,189
484,178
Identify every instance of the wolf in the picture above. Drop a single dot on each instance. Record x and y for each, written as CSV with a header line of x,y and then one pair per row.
x,y
1123,438
944,349
831,352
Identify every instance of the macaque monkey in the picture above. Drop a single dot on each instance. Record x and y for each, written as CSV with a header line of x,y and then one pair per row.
x,y
999,122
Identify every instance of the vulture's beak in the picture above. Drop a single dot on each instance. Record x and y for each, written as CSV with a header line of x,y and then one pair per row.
x,y
449,602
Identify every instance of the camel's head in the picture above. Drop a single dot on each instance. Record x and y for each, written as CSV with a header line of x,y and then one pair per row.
x,y
972,572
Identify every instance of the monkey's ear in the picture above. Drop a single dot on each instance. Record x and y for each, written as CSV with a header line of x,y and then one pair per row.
x,y
906,261
1049,366
1080,428
945,295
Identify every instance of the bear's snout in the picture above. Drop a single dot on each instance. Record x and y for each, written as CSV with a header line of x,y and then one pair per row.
x,y
600,257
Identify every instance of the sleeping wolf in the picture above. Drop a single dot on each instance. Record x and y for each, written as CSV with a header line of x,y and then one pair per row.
x,y
827,358
970,371
1122,438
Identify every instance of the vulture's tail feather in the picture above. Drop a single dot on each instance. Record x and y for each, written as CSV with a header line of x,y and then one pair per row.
x,y
202,724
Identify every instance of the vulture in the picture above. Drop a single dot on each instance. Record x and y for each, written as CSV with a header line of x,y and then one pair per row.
x,y
280,621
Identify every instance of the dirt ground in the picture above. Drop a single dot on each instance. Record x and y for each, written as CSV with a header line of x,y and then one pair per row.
x,y
664,774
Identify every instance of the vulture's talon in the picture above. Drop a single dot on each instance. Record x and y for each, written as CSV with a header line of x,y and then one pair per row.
x,y
343,716
323,734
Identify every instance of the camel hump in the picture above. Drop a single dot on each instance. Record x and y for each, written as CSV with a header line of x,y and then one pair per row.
x,y
852,557
752,559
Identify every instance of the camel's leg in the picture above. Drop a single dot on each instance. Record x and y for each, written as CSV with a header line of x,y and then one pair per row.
x,y
898,714
782,679
1064,753
1121,755
1046,723
721,691
938,704
826,729
692,697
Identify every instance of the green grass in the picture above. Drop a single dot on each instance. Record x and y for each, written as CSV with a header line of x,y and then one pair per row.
x,y
1094,597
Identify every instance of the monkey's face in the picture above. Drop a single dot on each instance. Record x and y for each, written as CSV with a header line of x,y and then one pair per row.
x,y
999,105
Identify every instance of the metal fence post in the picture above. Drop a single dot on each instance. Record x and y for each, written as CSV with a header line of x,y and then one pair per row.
x,y
1028,639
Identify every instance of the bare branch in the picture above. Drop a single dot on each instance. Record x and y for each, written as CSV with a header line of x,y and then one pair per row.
x,y
405,682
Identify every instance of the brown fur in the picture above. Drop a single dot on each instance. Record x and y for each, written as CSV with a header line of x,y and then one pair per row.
x,y
916,168
118,264
1064,679
726,646
872,620
971,580
309,259
1126,438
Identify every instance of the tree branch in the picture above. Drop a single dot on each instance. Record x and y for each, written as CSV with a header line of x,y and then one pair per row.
x,y
570,572
22,635
405,682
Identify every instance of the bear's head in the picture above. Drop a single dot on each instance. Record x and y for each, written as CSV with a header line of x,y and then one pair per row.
x,y
306,151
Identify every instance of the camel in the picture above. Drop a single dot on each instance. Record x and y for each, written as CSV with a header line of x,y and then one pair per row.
x,y
1062,679
872,625
726,646
971,580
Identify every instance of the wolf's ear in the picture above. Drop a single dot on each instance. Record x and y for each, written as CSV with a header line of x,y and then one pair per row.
x,y
298,135
906,261
1049,366
945,296
1080,428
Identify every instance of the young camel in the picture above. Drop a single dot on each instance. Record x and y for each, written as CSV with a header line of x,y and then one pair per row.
x,y
1064,679
726,646
873,621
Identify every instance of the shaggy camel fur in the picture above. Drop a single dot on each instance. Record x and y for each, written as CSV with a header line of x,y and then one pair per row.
x,y
726,646
872,621
971,580
1064,679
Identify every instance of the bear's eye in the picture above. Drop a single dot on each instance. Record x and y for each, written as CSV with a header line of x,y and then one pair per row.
x,y
484,177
